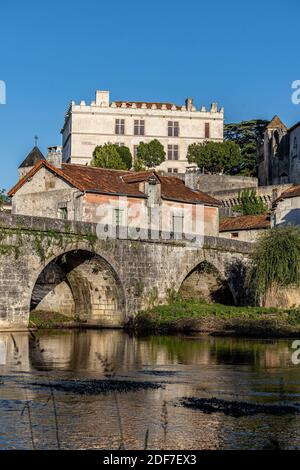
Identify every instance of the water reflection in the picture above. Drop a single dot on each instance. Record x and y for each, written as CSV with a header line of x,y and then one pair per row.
x,y
229,368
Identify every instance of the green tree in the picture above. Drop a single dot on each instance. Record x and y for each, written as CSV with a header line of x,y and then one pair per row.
x,y
251,203
215,157
125,155
107,156
138,165
246,134
2,198
151,154
275,261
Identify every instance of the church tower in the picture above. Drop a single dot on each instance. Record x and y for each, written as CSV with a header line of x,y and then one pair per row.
x,y
273,155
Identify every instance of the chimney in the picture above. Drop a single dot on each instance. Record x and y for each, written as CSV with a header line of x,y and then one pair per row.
x,y
102,98
153,191
54,156
189,104
190,177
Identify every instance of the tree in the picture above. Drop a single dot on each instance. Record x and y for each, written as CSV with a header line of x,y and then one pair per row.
x,y
151,154
125,155
2,198
138,165
246,134
275,261
251,203
215,157
107,156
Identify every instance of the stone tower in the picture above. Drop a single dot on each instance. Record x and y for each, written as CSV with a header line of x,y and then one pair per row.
x,y
30,161
273,155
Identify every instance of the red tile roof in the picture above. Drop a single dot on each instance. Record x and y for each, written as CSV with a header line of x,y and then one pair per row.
x,y
120,182
245,222
138,105
294,191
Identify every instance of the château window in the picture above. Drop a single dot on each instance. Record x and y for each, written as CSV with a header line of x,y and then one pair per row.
x,y
173,128
172,170
207,130
120,127
120,144
139,127
173,152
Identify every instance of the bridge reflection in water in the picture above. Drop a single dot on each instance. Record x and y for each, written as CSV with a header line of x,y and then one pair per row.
x,y
231,369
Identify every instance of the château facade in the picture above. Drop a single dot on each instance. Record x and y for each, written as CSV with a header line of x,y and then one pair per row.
x,y
130,123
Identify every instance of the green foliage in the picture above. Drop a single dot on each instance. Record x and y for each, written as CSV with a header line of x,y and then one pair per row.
x,y
275,260
125,155
107,156
251,203
246,134
215,157
151,154
2,198
41,320
138,165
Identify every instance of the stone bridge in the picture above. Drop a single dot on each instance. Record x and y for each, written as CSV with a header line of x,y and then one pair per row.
x,y
62,266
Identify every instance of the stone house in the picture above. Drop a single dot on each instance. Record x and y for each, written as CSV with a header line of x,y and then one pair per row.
x,y
245,228
130,122
286,209
115,197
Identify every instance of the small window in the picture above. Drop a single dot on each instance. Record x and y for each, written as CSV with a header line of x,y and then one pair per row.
x,y
120,126
178,224
139,127
118,217
172,170
207,130
173,128
120,144
173,152
63,213
235,235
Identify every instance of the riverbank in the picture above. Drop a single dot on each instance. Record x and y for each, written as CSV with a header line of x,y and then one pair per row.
x,y
52,320
216,319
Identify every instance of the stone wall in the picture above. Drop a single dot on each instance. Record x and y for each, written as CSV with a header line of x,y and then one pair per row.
x,y
128,274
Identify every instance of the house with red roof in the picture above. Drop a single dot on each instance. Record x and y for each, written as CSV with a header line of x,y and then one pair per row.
x,y
143,199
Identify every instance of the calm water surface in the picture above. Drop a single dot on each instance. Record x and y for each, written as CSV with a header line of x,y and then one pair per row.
x,y
258,371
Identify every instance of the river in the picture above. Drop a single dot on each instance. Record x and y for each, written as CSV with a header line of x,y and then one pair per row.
x,y
231,369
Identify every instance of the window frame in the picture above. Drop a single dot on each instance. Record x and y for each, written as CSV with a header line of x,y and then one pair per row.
x,y
139,127
173,129
119,126
173,152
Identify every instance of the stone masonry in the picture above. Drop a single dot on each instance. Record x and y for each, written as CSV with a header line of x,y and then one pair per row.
x,y
102,281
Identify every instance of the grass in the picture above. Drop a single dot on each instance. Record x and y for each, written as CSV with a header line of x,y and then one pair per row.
x,y
39,319
214,318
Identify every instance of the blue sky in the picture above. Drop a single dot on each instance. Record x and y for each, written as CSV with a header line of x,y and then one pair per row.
x,y
242,54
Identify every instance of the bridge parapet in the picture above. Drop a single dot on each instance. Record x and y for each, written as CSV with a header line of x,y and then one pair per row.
x,y
68,227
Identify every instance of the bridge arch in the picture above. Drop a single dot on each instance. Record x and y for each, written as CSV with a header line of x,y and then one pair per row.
x,y
83,284
206,282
